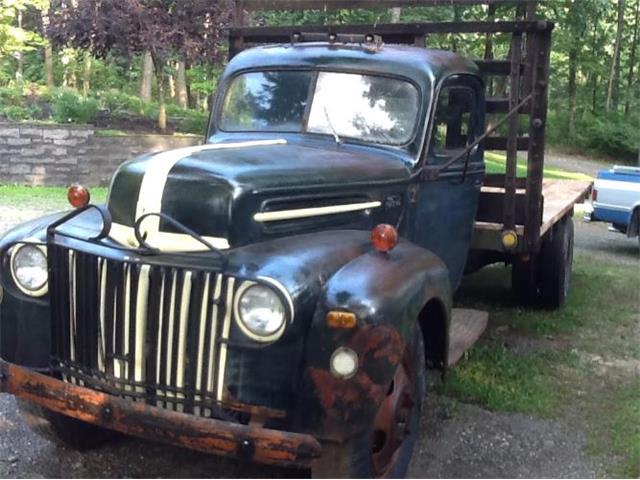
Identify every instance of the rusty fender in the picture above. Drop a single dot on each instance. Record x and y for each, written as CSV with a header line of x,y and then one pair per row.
x,y
387,293
251,443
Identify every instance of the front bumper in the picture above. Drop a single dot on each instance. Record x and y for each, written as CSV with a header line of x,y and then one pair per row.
x,y
245,442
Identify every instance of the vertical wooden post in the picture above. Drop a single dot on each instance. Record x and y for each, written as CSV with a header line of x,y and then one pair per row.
x,y
537,124
236,42
512,135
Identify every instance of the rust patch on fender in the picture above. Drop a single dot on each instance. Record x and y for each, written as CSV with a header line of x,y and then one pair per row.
x,y
350,402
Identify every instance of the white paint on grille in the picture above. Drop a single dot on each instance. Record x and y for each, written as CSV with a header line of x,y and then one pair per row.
x,y
102,281
159,341
182,335
214,337
141,326
226,326
204,307
169,359
72,305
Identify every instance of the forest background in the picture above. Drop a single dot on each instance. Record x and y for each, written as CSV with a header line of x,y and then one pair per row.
x,y
151,65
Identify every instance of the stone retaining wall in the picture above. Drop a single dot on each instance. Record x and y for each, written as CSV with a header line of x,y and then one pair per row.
x,y
62,155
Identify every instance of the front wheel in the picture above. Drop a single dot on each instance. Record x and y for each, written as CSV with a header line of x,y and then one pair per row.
x,y
384,450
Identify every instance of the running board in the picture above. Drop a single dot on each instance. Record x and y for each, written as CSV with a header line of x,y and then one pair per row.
x,y
466,327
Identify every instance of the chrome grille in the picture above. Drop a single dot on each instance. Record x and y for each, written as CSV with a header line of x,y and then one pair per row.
x,y
152,333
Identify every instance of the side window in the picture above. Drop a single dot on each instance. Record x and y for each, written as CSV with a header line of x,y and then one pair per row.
x,y
454,122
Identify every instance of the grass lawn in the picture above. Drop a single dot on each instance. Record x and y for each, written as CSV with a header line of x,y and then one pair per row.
x,y
578,364
50,198
495,163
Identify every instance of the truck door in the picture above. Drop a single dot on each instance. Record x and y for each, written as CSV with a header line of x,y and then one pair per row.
x,y
446,206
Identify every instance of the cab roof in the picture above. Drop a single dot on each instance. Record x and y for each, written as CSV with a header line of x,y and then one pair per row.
x,y
422,65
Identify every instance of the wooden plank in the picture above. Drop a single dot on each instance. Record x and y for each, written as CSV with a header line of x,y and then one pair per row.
x,y
498,179
541,45
252,5
511,210
491,206
253,34
560,196
495,67
500,143
501,105
466,327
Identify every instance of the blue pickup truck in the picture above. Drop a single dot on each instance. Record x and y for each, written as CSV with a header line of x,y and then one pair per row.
x,y
616,199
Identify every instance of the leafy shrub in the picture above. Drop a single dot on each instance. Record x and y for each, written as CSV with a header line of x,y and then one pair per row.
x,y
10,96
69,107
15,113
194,121
612,134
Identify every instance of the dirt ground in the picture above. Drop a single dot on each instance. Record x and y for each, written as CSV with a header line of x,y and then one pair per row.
x,y
457,440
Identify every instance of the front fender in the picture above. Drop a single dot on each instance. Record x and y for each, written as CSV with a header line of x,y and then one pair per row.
x,y
387,292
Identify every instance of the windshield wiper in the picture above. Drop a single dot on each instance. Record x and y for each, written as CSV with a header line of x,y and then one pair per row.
x,y
333,130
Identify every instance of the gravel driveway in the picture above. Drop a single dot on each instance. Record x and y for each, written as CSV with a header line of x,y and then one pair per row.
x,y
458,440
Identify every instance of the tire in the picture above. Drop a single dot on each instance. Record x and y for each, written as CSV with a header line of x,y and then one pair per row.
x,y
369,454
59,428
557,262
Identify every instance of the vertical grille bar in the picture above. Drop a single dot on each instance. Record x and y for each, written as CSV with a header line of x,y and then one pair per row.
x,y
226,327
103,312
199,342
156,285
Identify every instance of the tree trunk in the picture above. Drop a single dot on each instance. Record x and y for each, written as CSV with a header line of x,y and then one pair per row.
x,y
147,77
48,65
594,74
86,75
18,55
573,58
162,113
172,85
632,57
396,13
181,85
488,46
158,65
48,50
457,16
614,74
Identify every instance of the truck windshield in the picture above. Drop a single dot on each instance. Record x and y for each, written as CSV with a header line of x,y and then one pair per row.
x,y
363,107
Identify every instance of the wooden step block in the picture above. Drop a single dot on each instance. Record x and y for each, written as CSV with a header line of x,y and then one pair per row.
x,y
466,327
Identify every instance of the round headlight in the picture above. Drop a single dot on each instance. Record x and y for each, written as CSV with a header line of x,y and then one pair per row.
x,y
29,269
260,312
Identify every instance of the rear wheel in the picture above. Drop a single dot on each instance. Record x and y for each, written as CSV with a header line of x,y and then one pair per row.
x,y
385,449
543,280
59,428
557,254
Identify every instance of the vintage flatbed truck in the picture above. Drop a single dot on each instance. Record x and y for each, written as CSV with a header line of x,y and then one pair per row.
x,y
277,293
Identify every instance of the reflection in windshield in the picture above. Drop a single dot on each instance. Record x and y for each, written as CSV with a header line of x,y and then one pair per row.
x,y
344,105
267,101
374,109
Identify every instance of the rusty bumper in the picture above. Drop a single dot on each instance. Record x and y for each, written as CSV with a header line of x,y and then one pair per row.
x,y
251,443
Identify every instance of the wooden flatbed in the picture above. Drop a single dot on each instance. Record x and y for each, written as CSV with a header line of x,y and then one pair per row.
x,y
558,197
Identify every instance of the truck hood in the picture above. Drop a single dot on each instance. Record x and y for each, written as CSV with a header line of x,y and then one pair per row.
x,y
216,190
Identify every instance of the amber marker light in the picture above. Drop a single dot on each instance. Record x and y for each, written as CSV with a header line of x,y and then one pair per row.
x,y
345,320
509,239
384,237
78,196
